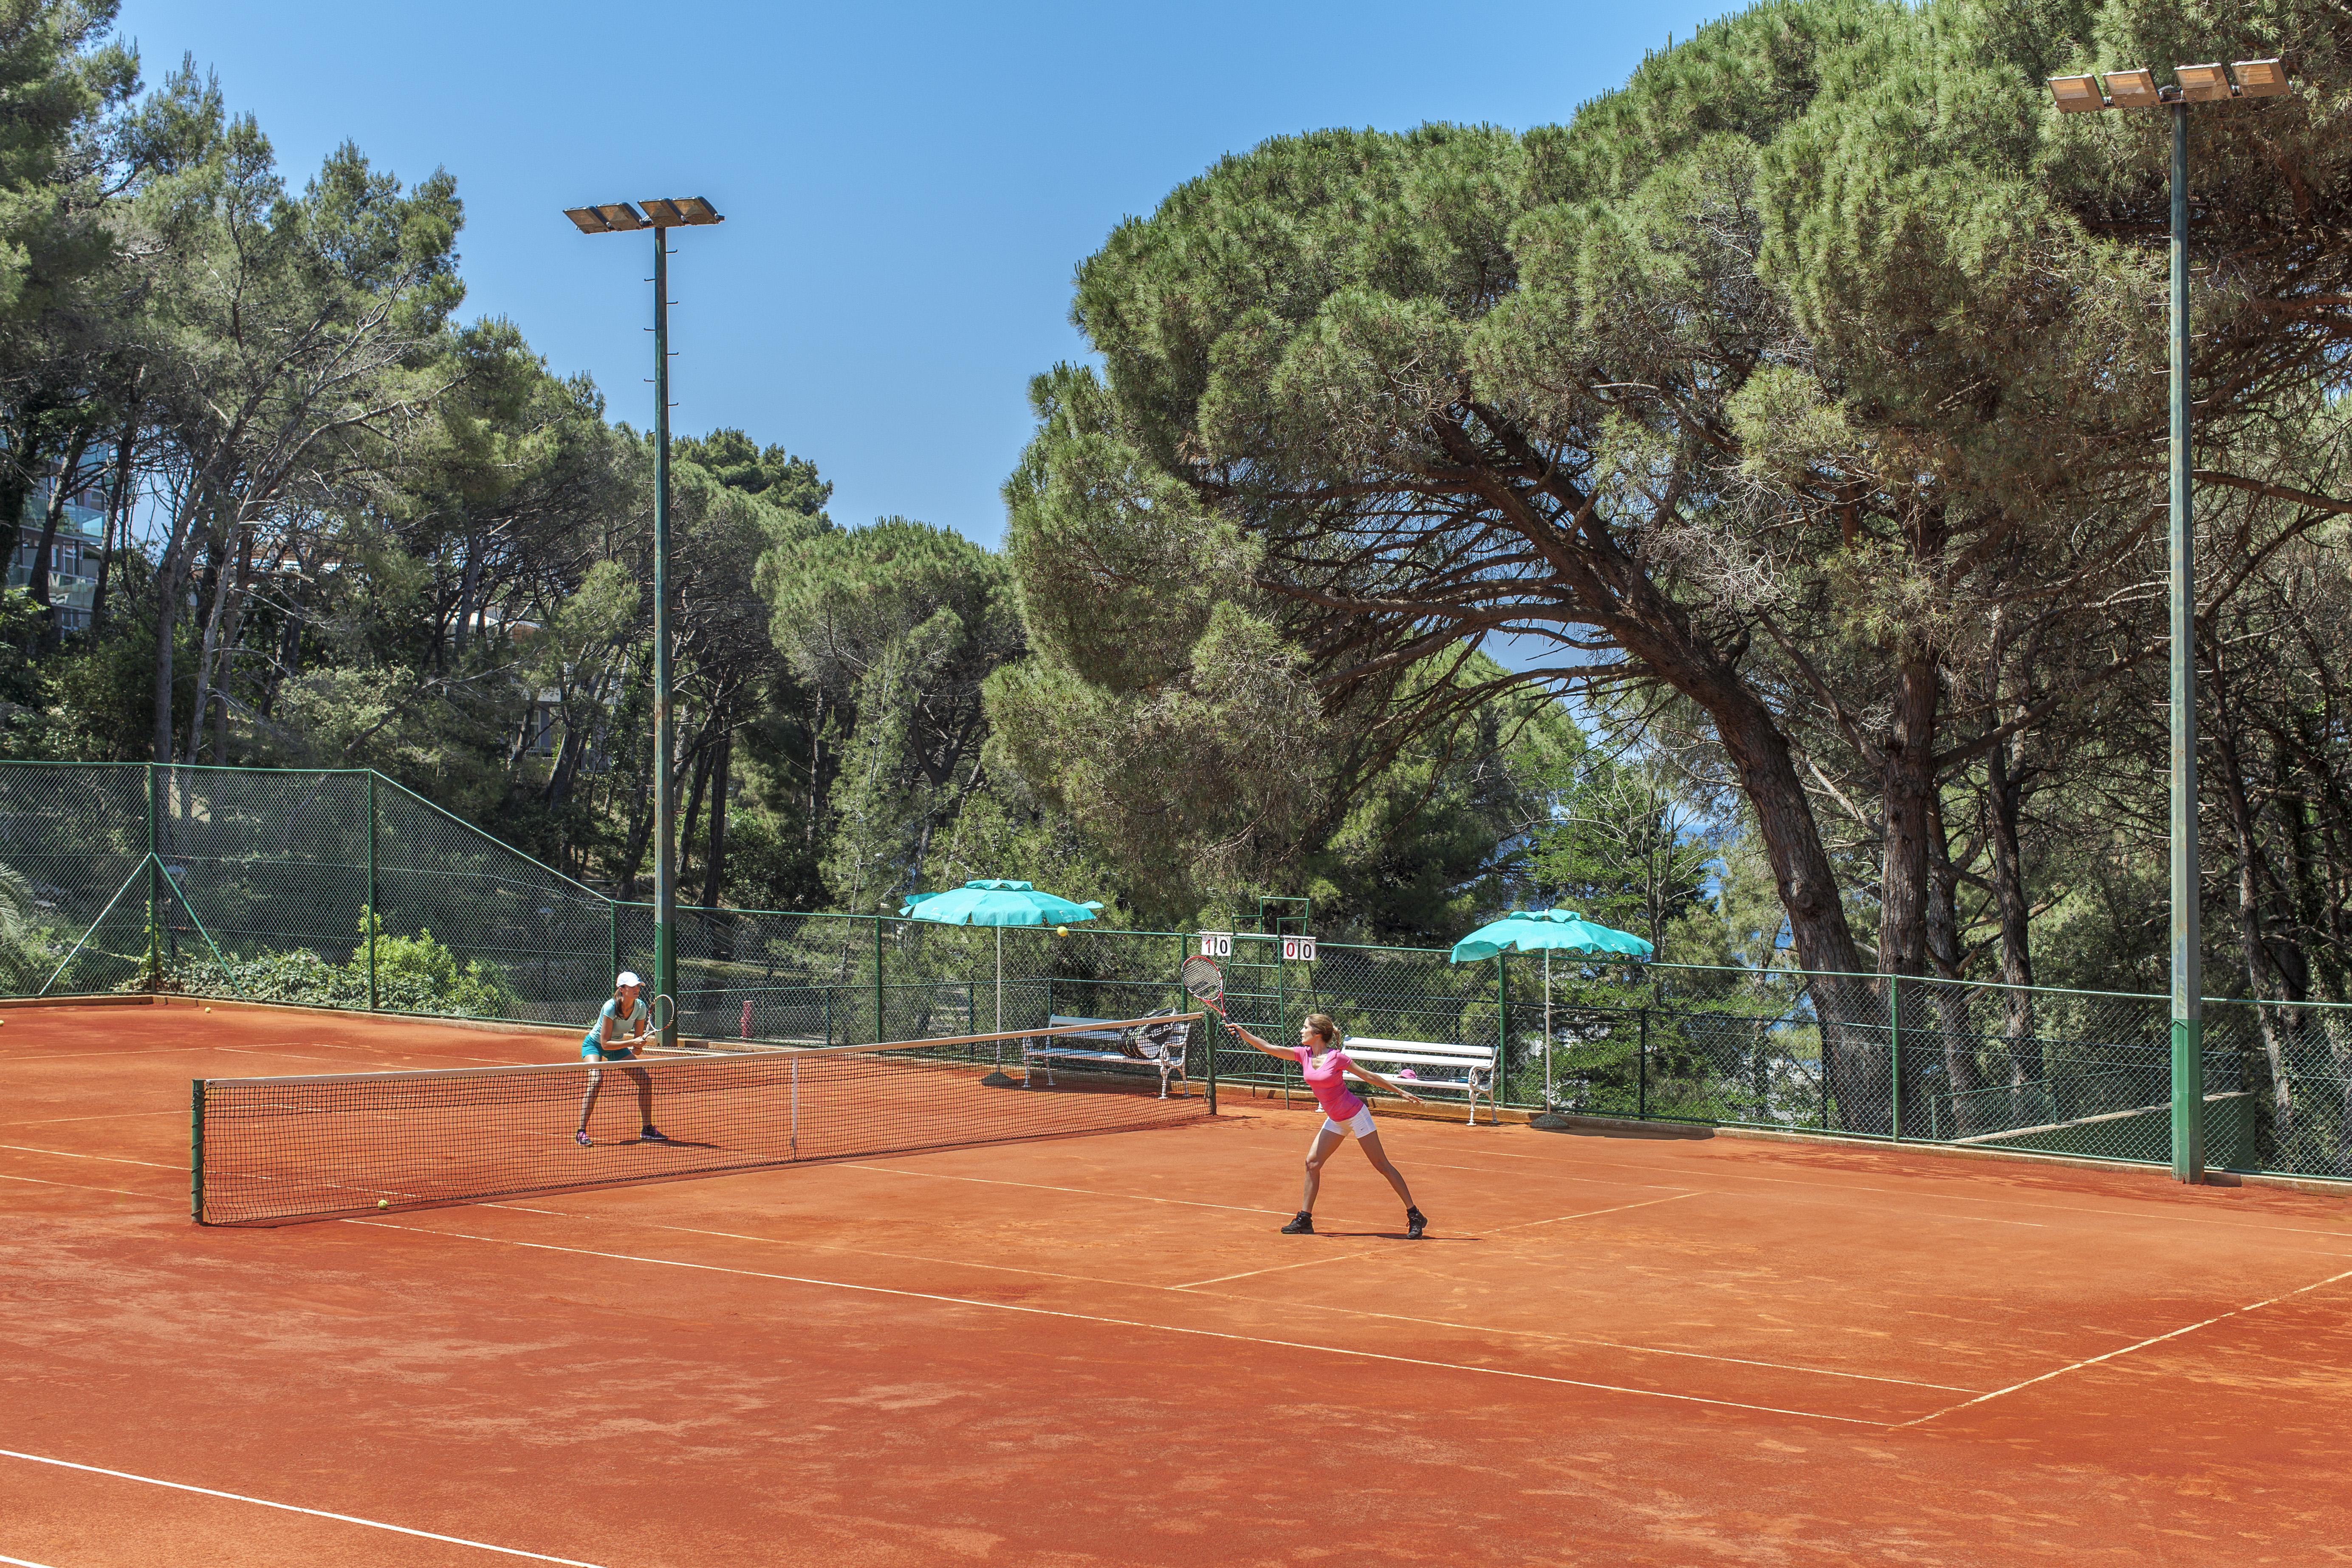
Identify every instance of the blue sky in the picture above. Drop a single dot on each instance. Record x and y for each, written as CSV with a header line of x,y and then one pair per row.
x,y
907,187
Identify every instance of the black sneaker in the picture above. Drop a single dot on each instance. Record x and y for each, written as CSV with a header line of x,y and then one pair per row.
x,y
652,1136
1414,1222
1304,1225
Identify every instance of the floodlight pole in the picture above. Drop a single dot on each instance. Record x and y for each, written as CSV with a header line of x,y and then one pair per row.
x,y
2137,88
664,731
661,216
2187,986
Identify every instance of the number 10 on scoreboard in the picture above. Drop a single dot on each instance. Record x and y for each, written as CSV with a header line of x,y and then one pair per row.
x,y
1216,943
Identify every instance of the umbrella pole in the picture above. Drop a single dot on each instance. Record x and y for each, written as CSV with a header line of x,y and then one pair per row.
x,y
1548,1097
996,1078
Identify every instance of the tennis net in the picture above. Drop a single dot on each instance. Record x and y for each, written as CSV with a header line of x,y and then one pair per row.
x,y
273,1149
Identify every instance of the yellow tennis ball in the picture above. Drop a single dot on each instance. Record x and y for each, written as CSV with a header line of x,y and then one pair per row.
x,y
383,1203
208,1009
1061,931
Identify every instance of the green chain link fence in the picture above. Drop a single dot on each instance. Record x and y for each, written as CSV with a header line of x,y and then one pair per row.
x,y
340,888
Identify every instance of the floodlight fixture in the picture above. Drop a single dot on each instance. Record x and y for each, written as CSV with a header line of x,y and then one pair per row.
x,y
620,217
2203,84
679,212
587,220
2262,79
2134,88
2077,95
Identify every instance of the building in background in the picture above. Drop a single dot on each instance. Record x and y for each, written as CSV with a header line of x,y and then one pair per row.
x,y
72,565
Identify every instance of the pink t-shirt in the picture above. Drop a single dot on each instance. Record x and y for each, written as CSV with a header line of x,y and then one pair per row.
x,y
1328,1082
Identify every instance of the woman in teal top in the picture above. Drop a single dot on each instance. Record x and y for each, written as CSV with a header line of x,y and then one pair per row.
x,y
619,1029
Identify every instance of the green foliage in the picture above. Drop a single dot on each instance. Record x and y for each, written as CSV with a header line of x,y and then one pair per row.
x,y
896,628
737,461
416,974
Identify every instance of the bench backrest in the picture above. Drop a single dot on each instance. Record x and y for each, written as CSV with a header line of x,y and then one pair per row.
x,y
1429,1053
1060,1020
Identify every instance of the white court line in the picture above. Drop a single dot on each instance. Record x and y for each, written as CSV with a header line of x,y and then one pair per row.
x,y
2126,1350
110,1116
290,1507
1590,1213
1081,1191
78,1186
2152,1216
1195,1287
22,1563
1275,1269
1422,1164
1124,1323
105,1159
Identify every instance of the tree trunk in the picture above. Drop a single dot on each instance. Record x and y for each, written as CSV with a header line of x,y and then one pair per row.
x,y
1850,1017
170,582
51,516
701,778
22,457
118,518
1962,1075
714,868
2261,982
2005,804
232,637
1907,790
641,828
223,575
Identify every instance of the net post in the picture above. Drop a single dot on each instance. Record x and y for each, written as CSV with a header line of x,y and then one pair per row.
x,y
372,920
195,1148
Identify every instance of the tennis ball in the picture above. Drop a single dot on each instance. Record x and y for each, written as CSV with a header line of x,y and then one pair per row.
x,y
1061,931
383,1203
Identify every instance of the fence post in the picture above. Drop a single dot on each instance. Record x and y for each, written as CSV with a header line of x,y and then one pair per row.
x,y
1894,1055
372,920
1642,1068
878,1035
154,869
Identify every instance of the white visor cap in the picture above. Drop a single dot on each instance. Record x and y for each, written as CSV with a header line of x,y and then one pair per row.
x,y
627,977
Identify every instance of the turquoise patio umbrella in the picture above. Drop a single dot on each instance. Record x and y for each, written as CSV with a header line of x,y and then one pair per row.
x,y
994,901
1543,931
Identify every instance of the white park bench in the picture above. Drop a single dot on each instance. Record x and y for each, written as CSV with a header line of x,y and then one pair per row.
x,y
1475,1063
1106,1046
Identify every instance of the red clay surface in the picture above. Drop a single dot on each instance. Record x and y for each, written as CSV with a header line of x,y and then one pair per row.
x,y
1609,1350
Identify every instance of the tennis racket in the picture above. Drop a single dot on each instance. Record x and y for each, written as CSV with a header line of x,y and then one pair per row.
x,y
1205,981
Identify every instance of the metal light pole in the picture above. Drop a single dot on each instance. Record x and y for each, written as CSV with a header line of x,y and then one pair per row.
x,y
2138,90
660,216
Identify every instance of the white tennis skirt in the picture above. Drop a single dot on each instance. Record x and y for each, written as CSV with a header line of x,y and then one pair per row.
x,y
1359,1125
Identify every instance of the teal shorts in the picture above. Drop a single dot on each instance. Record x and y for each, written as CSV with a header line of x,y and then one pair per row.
x,y
592,1051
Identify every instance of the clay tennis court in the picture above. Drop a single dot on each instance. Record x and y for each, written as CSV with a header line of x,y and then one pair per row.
x,y
1097,1350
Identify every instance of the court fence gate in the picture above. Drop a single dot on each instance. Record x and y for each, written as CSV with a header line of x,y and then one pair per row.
x,y
340,888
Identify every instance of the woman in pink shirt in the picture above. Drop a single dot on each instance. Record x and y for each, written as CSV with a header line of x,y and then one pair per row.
x,y
1325,1067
